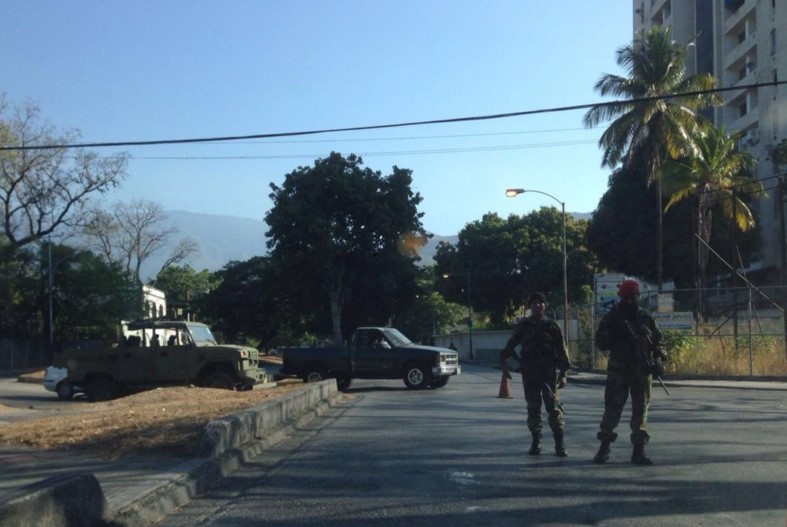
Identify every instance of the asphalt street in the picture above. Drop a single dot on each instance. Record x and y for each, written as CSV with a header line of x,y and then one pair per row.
x,y
458,456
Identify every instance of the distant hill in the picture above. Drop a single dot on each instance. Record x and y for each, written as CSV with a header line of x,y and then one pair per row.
x,y
223,239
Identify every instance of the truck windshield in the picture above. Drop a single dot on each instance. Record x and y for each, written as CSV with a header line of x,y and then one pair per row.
x,y
202,335
395,337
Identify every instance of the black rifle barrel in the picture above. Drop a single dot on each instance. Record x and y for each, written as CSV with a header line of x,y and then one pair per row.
x,y
648,362
554,398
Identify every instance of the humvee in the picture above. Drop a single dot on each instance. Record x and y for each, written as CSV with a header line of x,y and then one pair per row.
x,y
157,353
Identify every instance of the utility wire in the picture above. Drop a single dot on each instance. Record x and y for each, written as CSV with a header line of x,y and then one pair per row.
x,y
626,102
458,150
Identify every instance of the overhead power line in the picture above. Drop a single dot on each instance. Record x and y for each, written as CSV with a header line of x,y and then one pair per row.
x,y
625,102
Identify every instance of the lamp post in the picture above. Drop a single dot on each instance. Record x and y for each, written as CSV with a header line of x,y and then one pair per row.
x,y
513,192
469,310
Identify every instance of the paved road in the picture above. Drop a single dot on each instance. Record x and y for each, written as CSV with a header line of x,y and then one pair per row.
x,y
30,400
457,456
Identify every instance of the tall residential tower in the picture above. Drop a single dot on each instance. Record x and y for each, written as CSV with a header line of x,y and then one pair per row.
x,y
741,43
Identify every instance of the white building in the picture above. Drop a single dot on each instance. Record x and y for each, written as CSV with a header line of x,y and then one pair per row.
x,y
154,301
741,43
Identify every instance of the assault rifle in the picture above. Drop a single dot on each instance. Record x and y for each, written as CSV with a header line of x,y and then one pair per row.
x,y
646,357
554,397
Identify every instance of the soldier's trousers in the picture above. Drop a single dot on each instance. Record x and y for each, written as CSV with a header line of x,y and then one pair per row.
x,y
617,389
536,393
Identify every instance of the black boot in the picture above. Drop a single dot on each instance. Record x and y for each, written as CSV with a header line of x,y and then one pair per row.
x,y
560,445
602,456
535,448
638,456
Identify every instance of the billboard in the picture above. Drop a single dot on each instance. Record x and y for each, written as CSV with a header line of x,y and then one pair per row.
x,y
605,291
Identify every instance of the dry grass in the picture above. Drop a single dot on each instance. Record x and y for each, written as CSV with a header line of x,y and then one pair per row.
x,y
698,355
162,420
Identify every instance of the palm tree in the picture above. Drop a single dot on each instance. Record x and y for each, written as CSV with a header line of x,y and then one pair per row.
x,y
713,172
658,111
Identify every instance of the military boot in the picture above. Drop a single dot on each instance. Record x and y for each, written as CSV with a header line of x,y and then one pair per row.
x,y
638,456
560,445
602,456
535,448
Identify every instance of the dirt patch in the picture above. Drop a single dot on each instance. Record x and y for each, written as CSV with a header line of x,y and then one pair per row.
x,y
162,420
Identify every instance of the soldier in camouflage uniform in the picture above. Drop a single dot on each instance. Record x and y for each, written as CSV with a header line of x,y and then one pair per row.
x,y
633,340
543,355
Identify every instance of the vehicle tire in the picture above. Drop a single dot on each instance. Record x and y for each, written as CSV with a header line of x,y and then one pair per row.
x,y
102,389
439,382
64,390
314,374
218,379
417,377
342,383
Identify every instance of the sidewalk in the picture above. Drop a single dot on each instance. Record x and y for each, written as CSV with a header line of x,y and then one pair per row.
x,y
137,491
748,383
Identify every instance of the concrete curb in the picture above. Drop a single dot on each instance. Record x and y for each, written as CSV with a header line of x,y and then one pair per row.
x,y
226,444
59,501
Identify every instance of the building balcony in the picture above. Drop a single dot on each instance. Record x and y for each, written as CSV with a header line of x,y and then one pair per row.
x,y
739,52
743,122
745,9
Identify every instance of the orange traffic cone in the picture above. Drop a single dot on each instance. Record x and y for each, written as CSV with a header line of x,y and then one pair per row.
x,y
504,392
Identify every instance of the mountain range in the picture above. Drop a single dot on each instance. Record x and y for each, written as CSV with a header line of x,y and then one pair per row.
x,y
223,239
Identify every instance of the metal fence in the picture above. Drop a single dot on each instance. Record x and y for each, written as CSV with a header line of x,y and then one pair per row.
x,y
18,354
720,330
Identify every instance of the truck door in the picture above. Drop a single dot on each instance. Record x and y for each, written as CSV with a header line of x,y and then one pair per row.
x,y
176,359
134,360
373,356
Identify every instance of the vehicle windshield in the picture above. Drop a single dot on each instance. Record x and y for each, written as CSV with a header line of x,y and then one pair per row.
x,y
395,337
201,335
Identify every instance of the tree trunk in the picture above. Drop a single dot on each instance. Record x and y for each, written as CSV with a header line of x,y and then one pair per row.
x,y
336,318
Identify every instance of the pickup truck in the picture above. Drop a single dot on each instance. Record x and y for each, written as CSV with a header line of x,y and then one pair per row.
x,y
374,353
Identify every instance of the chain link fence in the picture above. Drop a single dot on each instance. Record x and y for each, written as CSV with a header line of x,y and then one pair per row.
x,y
737,331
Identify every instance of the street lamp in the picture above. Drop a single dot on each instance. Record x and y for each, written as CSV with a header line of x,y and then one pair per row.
x,y
513,192
469,310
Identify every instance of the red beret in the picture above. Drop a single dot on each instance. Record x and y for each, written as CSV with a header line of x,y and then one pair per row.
x,y
628,287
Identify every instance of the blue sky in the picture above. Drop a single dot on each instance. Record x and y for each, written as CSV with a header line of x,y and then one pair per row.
x,y
149,70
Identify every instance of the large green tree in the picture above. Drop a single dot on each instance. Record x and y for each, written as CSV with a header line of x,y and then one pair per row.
x,y
659,108
184,287
429,313
246,301
715,175
89,296
622,232
336,224
505,260
20,287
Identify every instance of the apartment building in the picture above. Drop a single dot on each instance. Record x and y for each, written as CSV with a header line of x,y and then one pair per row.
x,y
742,43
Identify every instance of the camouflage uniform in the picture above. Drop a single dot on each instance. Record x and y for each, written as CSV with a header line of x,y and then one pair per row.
x,y
543,352
627,372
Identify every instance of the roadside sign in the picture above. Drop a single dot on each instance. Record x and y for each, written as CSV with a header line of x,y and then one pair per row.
x,y
605,291
678,320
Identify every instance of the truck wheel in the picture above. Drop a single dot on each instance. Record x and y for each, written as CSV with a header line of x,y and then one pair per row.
x,y
439,382
64,390
220,380
343,383
314,374
417,377
101,389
